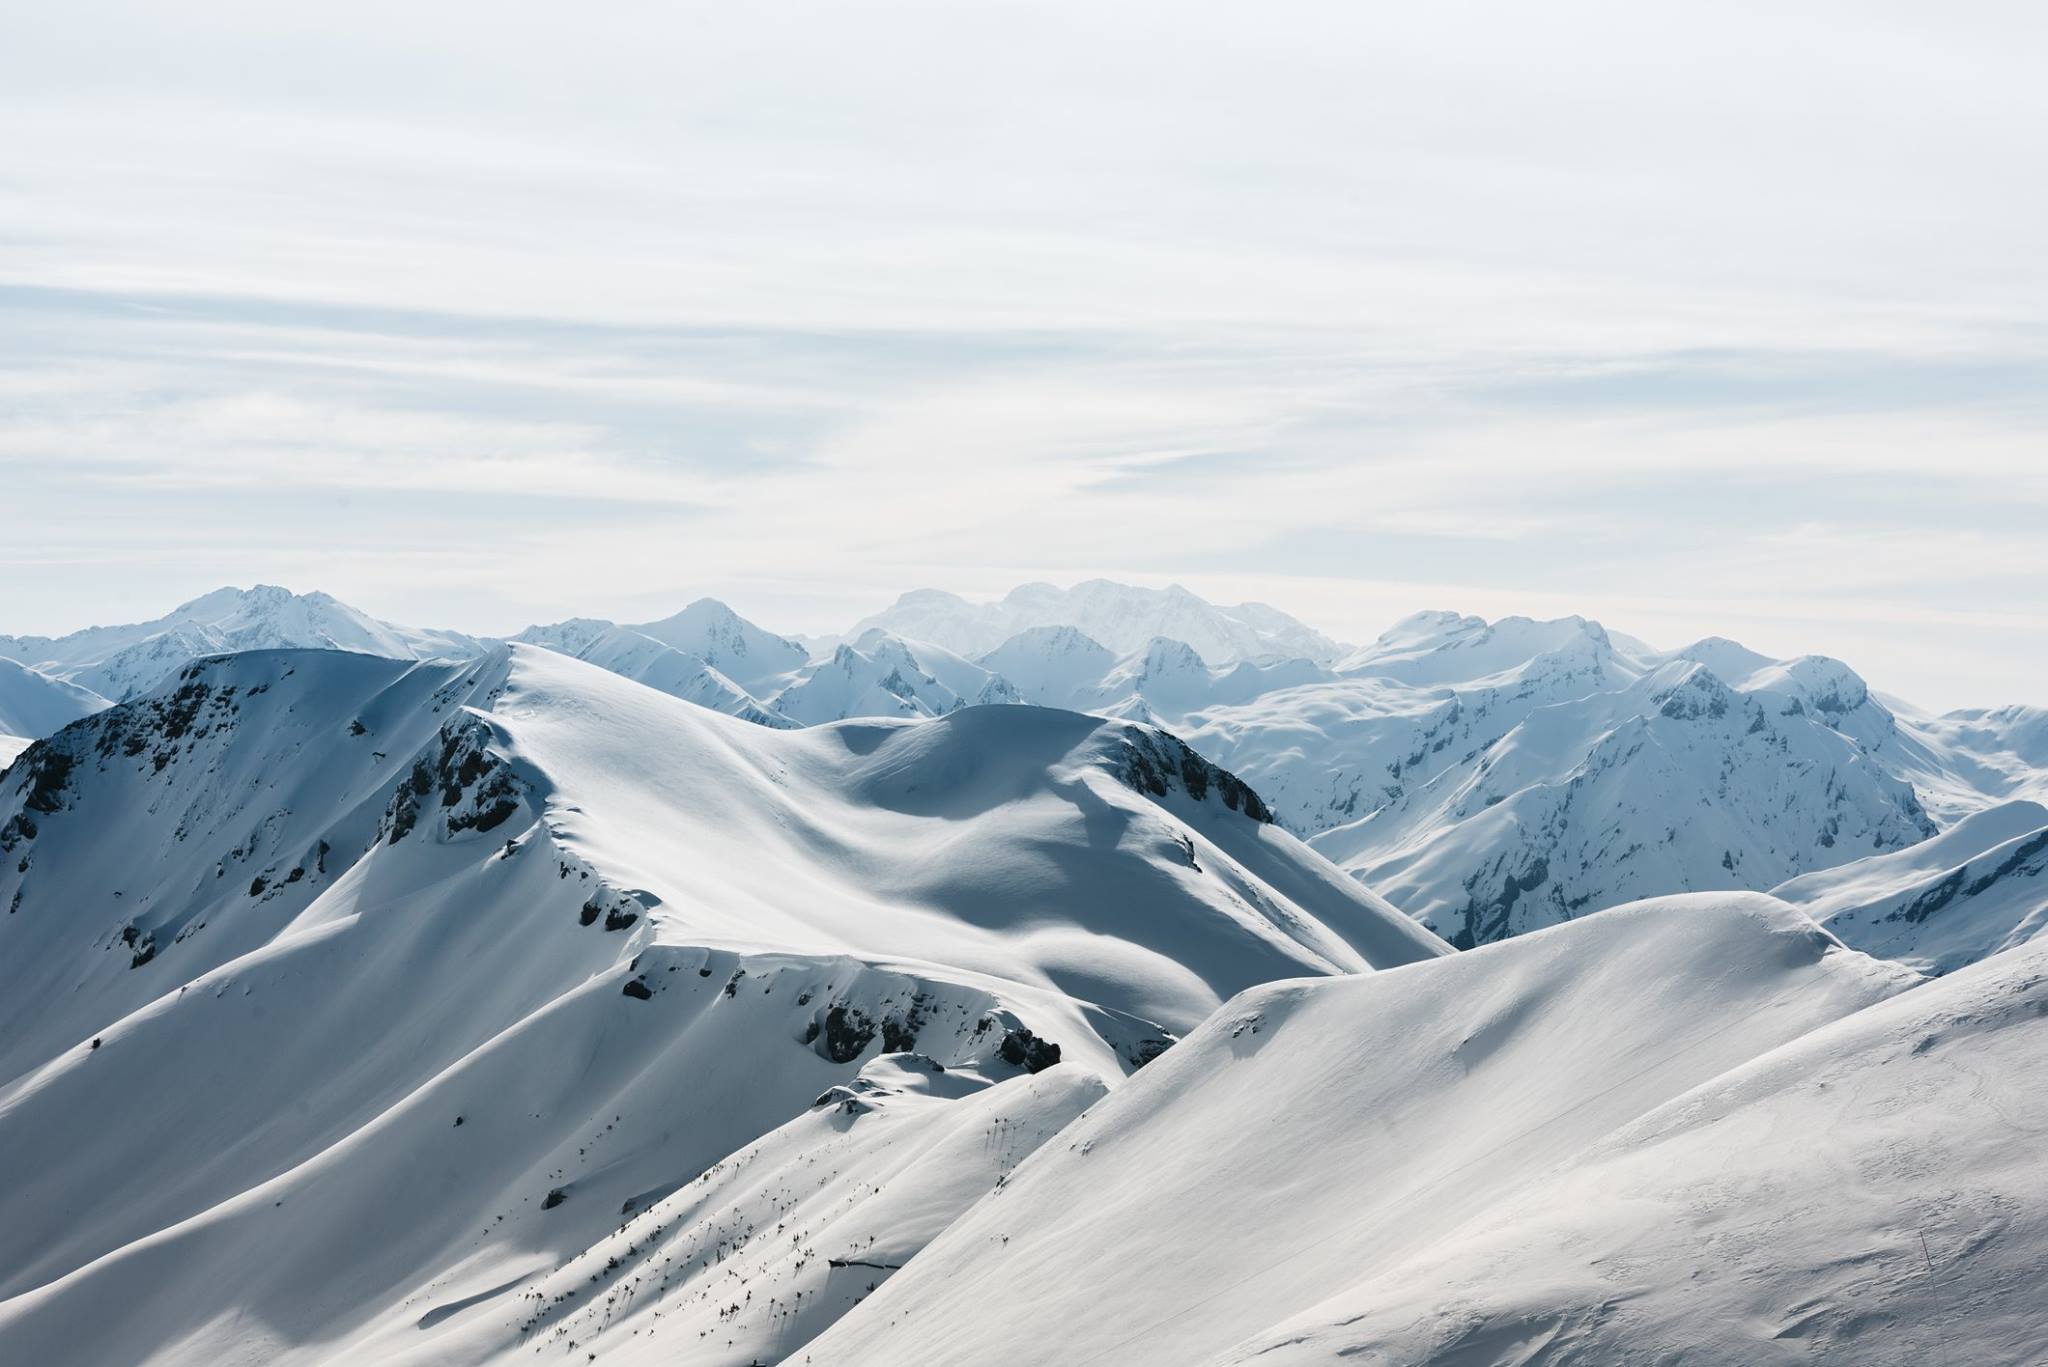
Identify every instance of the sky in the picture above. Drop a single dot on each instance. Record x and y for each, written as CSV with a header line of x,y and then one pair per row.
x,y
1697,319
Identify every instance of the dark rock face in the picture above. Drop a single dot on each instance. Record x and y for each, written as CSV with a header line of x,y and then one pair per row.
x,y
49,770
588,916
555,1197
2030,856
1487,920
1145,1050
638,989
847,1033
478,790
1025,1050
899,1033
616,919
405,803
1157,762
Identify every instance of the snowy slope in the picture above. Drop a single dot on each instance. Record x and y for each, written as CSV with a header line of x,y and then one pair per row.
x,y
1674,782
125,661
1979,887
1317,1137
10,746
728,642
1489,777
429,976
971,683
34,704
1494,777
884,676
1163,680
1118,616
706,654
1871,1193
641,658
1052,666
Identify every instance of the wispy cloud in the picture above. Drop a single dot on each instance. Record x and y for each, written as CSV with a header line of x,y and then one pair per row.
x,y
1703,321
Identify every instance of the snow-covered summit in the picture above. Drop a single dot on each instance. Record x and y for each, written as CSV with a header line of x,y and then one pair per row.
x,y
728,642
1053,666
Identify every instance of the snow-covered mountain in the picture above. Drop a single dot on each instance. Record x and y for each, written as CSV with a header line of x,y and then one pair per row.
x,y
1696,1129
728,642
706,654
1119,616
1977,888
1055,666
389,1011
1489,777
582,1000
34,704
1495,777
124,661
631,654
1674,782
880,675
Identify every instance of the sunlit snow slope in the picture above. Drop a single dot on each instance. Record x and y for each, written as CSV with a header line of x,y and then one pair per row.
x,y
1314,1138
362,1010
1873,1193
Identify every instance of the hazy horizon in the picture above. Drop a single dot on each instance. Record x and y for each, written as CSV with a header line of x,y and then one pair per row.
x,y
145,612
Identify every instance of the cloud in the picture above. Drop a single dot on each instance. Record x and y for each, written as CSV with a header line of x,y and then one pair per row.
x,y
1699,318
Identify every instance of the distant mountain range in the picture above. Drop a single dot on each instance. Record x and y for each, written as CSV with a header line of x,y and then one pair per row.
x,y
125,661
1121,617
1489,778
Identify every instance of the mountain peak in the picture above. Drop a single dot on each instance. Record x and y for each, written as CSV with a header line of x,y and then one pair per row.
x,y
1122,617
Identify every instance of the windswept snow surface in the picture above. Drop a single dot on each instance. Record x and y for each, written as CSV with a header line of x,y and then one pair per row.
x,y
1873,1193
1384,1147
364,1010
33,704
126,661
